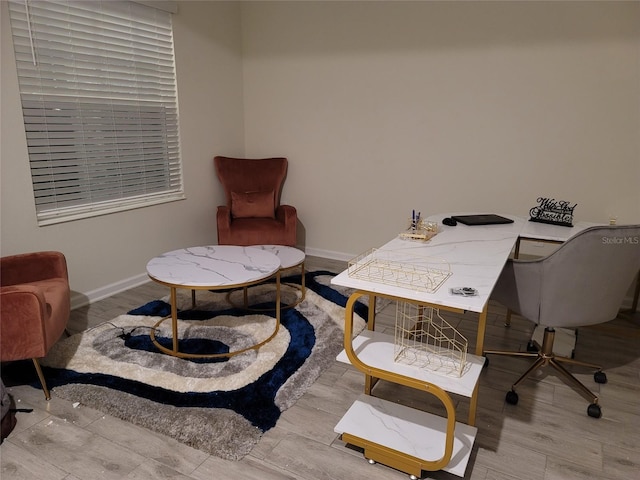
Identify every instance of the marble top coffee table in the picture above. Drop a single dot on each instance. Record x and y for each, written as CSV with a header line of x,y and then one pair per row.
x,y
290,257
214,267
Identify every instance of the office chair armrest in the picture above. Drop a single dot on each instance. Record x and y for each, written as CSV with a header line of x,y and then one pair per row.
x,y
23,313
519,287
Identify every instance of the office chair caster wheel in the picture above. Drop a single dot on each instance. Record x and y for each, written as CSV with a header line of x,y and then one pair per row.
x,y
600,377
594,410
531,347
512,397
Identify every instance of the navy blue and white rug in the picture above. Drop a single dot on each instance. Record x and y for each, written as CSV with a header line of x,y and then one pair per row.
x,y
221,406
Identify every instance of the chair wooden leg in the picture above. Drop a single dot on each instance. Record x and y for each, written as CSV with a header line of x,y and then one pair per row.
x,y
47,395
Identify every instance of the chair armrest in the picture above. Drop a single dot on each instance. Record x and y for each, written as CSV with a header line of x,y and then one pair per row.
x,y
287,214
23,313
223,221
32,267
519,287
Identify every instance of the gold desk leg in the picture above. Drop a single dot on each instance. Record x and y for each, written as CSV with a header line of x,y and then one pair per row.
x,y
482,327
634,302
636,296
473,406
507,319
516,254
369,381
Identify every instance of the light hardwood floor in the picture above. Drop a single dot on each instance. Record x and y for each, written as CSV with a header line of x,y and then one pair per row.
x,y
547,436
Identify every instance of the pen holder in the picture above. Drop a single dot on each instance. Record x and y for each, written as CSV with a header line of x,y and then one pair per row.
x,y
420,230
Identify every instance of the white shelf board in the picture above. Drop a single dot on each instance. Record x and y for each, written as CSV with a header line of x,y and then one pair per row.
x,y
377,350
407,430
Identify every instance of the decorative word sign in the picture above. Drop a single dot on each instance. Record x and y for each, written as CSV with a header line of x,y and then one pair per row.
x,y
555,212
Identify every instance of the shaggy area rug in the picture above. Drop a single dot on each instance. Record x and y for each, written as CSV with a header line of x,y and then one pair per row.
x,y
221,406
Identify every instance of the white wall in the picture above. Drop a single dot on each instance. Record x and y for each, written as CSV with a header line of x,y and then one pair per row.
x,y
381,107
385,107
110,252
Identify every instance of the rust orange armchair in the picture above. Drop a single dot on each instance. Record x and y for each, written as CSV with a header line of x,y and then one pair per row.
x,y
253,214
35,303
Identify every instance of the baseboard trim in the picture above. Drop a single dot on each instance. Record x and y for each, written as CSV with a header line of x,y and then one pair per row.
x,y
329,254
82,299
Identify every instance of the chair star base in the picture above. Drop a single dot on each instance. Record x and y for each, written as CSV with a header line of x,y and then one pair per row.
x,y
545,357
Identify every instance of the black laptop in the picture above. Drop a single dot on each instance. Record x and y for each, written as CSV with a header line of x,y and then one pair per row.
x,y
481,219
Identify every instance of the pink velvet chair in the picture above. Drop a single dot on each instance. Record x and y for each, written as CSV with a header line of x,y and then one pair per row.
x,y
253,214
35,303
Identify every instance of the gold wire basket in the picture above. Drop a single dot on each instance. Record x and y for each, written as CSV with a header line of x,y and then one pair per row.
x,y
426,340
401,269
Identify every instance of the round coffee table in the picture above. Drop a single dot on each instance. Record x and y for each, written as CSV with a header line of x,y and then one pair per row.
x,y
290,257
215,267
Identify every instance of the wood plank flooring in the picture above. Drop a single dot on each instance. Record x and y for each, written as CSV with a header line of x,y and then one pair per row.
x,y
547,436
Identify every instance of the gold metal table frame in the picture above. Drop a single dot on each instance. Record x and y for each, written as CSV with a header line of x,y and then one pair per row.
x,y
245,291
387,456
174,318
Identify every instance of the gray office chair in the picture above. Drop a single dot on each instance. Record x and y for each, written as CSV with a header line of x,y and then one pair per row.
x,y
582,283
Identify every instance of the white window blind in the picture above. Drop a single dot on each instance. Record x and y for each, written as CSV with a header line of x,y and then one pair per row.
x,y
98,91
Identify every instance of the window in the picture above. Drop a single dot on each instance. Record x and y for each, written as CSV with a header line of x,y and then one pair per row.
x,y
98,92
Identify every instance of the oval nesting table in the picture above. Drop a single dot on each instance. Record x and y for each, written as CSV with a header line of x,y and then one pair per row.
x,y
215,267
290,258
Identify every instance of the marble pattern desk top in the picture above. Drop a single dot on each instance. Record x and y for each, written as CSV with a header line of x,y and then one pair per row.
x,y
553,233
476,255
213,266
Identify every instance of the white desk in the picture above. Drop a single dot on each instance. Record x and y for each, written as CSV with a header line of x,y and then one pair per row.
x,y
394,436
544,232
476,255
547,233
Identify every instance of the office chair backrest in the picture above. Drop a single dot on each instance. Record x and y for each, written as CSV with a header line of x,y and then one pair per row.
x,y
585,281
